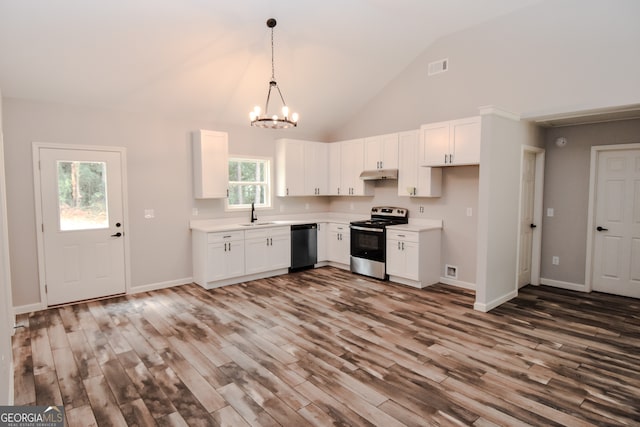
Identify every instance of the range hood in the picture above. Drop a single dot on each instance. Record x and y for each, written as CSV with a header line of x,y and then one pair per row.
x,y
371,175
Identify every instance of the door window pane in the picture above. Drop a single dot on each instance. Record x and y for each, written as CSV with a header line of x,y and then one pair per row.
x,y
82,195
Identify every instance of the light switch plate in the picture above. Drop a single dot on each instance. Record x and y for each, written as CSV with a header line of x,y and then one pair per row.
x,y
549,211
149,213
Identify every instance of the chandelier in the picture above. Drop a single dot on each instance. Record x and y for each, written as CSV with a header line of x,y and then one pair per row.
x,y
273,121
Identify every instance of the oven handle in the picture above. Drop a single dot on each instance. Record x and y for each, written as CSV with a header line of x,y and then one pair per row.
x,y
375,230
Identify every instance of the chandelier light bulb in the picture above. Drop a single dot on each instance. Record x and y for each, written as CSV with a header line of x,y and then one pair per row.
x,y
285,111
252,116
294,117
256,111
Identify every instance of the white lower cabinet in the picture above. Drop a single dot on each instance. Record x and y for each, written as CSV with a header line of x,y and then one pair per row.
x,y
267,249
413,257
339,243
217,256
322,241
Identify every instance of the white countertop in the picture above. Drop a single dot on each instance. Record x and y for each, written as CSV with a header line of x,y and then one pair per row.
x,y
418,225
234,224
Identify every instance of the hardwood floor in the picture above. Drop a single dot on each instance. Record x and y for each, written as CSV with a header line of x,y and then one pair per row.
x,y
325,347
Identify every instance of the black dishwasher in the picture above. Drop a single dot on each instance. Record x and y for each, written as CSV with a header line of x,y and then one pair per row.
x,y
304,246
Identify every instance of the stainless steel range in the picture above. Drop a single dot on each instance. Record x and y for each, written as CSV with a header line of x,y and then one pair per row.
x,y
369,240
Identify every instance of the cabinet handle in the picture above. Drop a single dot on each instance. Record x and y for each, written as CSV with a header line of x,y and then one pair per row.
x,y
398,245
225,247
271,239
403,246
287,191
401,235
338,191
415,191
229,246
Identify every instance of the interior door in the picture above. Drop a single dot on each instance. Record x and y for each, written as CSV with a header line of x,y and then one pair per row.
x,y
82,224
616,257
527,225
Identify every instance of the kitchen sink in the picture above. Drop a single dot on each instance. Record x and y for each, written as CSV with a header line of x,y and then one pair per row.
x,y
253,224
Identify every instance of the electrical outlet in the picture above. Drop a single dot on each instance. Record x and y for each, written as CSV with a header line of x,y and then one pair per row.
x,y
469,211
549,211
351,206
306,206
555,260
194,211
149,214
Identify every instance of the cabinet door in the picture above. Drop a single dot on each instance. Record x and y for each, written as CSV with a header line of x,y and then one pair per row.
x,y
322,242
256,259
408,163
465,141
335,169
235,259
411,253
290,167
216,261
434,144
333,246
389,151
210,164
279,251
344,252
316,168
395,258
373,153
352,165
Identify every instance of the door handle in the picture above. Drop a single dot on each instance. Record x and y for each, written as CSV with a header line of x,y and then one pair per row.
x,y
533,226
602,229
118,234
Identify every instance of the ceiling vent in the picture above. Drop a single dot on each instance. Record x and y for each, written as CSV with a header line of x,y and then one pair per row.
x,y
438,67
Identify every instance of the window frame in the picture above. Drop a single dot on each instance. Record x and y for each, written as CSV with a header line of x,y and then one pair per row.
x,y
268,162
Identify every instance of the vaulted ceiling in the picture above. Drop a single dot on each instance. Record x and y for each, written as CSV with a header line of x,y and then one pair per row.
x,y
210,60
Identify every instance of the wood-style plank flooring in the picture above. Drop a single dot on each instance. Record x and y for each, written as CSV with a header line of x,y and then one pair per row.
x,y
325,347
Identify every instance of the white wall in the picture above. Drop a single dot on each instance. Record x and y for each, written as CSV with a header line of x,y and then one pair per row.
x,y
6,311
159,178
553,56
499,194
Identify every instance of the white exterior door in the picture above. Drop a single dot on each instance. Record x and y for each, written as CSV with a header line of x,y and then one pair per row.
x,y
616,256
82,223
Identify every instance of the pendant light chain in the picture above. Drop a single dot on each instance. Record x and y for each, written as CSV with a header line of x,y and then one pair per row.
x,y
273,68
260,119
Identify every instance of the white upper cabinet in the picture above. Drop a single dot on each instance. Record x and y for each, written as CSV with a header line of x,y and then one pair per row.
x,y
316,170
301,168
351,166
210,164
381,152
451,143
335,168
413,179
289,167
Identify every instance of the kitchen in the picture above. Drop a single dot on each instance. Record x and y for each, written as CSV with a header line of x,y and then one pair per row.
x,y
159,148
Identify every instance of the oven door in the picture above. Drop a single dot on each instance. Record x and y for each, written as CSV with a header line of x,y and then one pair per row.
x,y
368,243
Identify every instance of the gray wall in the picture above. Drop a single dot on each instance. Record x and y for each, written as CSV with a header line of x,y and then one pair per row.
x,y
555,56
566,190
159,177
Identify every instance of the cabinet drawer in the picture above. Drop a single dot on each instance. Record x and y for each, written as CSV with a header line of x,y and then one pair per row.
x,y
225,237
338,228
406,236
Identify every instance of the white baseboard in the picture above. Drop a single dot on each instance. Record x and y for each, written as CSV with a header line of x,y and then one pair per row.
x,y
28,308
564,285
160,285
485,307
458,283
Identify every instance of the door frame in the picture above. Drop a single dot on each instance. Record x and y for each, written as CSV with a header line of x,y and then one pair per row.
x,y
593,182
536,246
36,146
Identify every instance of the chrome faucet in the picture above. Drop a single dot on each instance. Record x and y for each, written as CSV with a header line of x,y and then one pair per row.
x,y
254,217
